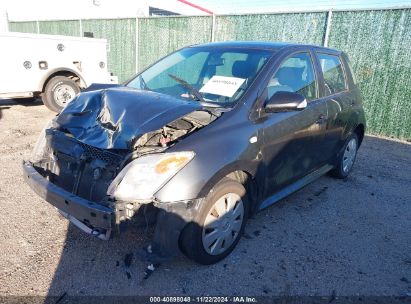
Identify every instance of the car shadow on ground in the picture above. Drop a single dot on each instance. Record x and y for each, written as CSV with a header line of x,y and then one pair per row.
x,y
92,267
6,103
26,102
89,266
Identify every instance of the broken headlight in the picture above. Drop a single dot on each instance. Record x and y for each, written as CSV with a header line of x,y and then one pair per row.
x,y
40,146
144,176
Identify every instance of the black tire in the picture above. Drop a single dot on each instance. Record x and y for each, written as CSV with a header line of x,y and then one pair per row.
x,y
53,85
191,239
339,171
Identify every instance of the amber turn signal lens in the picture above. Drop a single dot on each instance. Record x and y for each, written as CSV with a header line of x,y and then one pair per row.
x,y
169,163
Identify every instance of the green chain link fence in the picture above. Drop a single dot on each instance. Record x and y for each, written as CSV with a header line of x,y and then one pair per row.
x,y
377,41
23,27
379,46
297,27
159,36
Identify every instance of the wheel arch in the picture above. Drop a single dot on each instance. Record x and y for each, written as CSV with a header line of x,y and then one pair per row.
x,y
244,173
360,131
248,181
66,72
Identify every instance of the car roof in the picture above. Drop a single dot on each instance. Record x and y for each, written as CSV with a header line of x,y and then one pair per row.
x,y
263,45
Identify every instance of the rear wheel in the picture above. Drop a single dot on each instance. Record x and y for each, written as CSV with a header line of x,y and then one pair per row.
x,y
219,225
347,158
59,92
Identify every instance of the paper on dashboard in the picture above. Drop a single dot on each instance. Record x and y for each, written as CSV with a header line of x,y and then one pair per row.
x,y
222,85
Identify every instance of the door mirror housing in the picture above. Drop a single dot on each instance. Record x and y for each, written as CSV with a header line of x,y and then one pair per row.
x,y
283,101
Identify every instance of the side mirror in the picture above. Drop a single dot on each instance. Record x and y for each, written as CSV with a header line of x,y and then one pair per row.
x,y
283,101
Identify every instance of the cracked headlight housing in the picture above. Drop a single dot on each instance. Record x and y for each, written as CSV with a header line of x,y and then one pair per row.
x,y
144,176
40,147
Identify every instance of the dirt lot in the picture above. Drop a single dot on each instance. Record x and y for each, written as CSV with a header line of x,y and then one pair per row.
x,y
334,237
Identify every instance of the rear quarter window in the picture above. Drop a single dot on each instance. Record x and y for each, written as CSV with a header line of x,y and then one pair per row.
x,y
333,73
347,60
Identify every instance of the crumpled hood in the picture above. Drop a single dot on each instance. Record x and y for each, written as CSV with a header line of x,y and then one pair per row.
x,y
113,117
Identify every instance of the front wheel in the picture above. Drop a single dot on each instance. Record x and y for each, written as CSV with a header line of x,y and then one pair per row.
x,y
59,92
345,161
219,224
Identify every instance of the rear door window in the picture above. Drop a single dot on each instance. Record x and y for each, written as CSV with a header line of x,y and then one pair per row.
x,y
333,73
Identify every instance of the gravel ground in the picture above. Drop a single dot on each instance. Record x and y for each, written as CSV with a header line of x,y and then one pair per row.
x,y
333,237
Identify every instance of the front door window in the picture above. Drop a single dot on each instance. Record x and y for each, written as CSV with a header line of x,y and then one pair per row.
x,y
296,74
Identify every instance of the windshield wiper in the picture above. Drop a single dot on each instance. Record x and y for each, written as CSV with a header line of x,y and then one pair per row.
x,y
189,87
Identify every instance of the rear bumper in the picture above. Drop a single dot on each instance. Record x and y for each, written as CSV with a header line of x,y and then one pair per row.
x,y
88,213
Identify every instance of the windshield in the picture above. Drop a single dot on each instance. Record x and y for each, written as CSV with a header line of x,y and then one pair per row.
x,y
215,76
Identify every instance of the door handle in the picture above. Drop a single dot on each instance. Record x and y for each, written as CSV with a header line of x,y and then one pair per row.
x,y
321,119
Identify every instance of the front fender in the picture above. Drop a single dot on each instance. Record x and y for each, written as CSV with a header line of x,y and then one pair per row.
x,y
219,150
194,183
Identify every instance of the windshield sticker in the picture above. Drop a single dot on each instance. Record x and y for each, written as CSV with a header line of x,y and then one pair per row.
x,y
222,85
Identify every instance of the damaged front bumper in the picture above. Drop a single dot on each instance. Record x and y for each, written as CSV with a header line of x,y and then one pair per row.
x,y
99,220
95,219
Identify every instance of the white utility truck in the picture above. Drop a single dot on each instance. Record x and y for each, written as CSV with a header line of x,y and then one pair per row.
x,y
53,67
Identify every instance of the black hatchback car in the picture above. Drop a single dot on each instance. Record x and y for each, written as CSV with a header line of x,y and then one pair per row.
x,y
199,141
